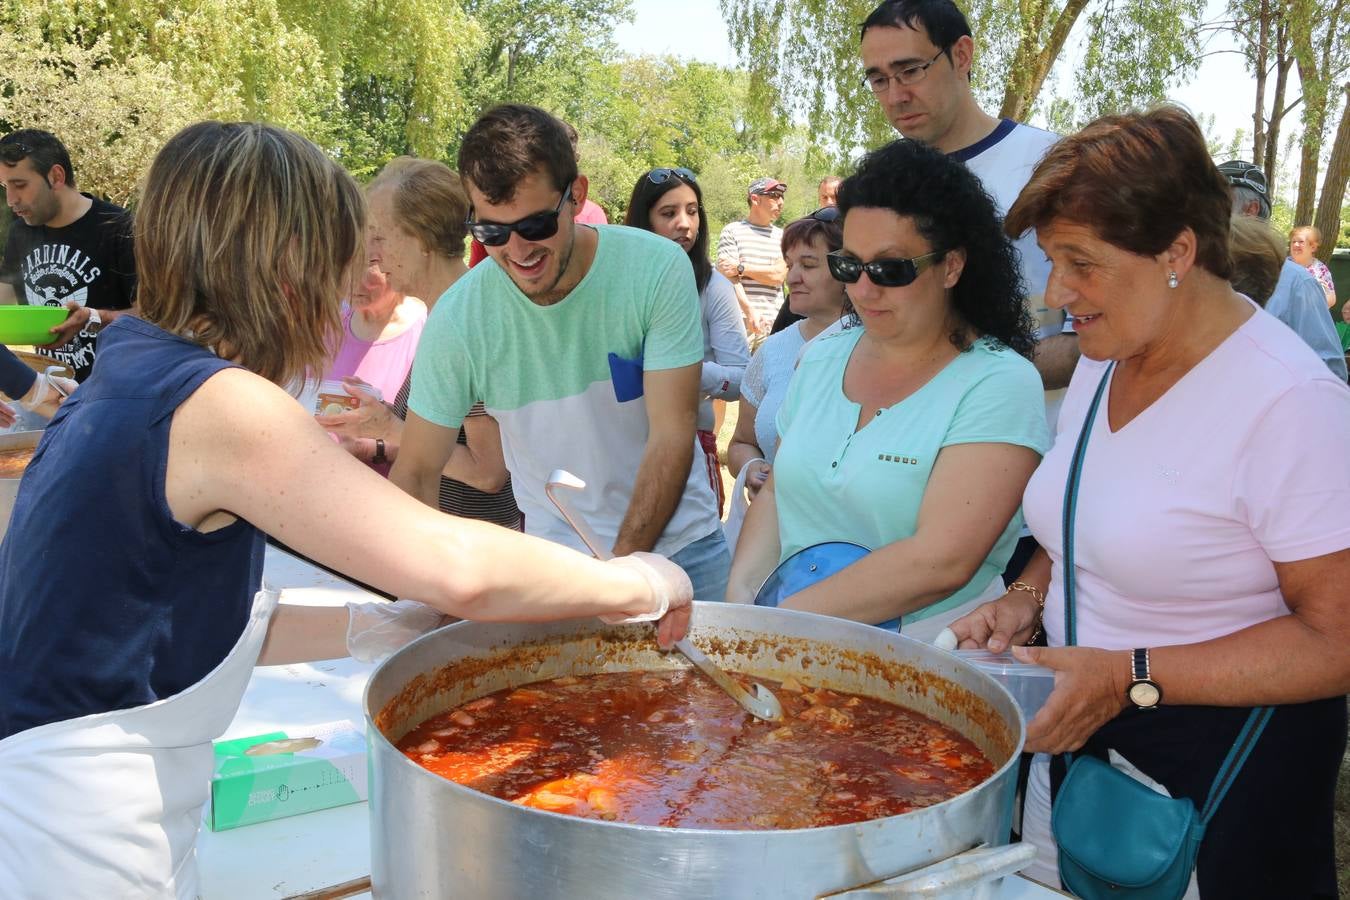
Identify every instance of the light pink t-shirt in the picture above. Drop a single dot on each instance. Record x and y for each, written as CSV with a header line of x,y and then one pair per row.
x,y
382,363
591,214
1181,512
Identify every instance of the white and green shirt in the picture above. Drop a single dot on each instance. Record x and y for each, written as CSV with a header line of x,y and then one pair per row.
x,y
547,374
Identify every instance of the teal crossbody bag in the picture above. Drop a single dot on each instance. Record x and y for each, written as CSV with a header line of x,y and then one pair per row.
x,y
1118,838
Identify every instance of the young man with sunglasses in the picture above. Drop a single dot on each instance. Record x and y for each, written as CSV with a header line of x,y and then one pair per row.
x,y
750,254
917,56
65,248
584,343
1298,297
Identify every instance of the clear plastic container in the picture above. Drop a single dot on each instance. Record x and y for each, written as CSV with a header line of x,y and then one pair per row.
x,y
1029,684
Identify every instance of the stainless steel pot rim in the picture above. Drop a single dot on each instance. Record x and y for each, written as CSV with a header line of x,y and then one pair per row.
x,y
373,733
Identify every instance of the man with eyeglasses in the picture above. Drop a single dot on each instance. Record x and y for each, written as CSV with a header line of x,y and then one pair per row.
x,y
750,254
917,57
584,342
1298,298
65,248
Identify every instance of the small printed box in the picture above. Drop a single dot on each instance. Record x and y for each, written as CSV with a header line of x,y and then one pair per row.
x,y
280,774
333,399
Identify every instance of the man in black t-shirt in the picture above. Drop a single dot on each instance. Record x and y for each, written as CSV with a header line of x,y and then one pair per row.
x,y
65,248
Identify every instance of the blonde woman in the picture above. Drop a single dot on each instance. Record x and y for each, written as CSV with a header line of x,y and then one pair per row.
x,y
417,234
130,609
1304,242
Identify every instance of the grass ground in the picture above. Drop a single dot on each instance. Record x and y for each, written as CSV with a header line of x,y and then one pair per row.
x,y
1342,785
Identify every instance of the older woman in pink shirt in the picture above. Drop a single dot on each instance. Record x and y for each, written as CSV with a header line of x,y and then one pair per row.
x,y
1211,522
380,331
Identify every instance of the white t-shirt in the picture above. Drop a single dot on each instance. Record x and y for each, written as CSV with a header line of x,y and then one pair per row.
x,y
1182,512
766,383
1003,161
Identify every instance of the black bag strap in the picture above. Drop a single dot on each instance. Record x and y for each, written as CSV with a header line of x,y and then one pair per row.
x,y
1259,717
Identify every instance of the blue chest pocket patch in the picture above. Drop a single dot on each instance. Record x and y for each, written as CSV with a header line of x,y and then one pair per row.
x,y
626,376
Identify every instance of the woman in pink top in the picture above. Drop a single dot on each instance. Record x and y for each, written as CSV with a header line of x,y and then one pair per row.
x,y
1212,531
380,330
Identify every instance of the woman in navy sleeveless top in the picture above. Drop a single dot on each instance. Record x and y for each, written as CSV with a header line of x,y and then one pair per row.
x,y
129,568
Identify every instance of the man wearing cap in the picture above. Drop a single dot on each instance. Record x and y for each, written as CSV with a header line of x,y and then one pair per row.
x,y
1298,299
750,253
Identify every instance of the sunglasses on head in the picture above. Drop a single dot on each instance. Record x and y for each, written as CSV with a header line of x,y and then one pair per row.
x,y
537,227
662,175
826,214
14,151
883,272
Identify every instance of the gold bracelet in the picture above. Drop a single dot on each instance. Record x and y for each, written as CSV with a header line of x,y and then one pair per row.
x,y
1039,596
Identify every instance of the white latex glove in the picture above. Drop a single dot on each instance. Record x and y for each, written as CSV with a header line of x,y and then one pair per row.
x,y
946,640
670,586
377,629
47,392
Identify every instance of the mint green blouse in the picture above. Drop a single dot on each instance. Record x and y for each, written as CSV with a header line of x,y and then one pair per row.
x,y
832,483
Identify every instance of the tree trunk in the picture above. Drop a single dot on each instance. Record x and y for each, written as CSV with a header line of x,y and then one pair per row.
x,y
1283,62
1032,64
1313,120
1328,218
1262,58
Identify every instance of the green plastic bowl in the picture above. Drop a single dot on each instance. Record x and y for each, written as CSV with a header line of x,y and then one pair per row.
x,y
30,324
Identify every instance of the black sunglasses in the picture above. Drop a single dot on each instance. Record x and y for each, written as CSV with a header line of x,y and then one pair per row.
x,y
662,175
537,227
883,272
826,214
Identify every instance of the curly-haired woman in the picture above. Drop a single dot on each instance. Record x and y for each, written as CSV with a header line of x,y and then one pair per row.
x,y
915,434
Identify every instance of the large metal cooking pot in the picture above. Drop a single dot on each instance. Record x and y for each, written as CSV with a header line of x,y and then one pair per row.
x,y
433,838
9,487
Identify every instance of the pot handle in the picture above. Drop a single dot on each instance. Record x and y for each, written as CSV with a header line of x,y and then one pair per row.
x,y
956,876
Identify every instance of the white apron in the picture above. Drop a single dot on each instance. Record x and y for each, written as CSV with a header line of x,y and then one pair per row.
x,y
108,805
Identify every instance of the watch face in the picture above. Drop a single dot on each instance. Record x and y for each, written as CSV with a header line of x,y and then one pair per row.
x,y
1145,694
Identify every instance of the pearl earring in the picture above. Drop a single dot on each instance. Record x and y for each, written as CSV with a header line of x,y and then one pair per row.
x,y
1172,280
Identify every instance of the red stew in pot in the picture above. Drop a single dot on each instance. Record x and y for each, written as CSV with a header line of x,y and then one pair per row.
x,y
671,749
13,462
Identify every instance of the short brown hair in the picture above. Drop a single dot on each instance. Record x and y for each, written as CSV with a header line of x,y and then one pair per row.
x,y
1257,257
510,142
429,203
243,236
1136,179
806,229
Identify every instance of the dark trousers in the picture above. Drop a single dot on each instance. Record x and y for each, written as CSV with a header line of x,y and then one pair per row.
x,y
1272,838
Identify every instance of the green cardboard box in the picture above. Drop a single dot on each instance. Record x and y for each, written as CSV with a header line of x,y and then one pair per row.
x,y
280,774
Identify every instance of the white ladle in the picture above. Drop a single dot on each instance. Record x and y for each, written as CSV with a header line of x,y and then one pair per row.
x,y
762,704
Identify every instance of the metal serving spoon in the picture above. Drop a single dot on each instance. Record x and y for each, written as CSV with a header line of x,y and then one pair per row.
x,y
762,704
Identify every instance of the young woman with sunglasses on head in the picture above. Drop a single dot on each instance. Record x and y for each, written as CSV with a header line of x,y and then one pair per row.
x,y
818,300
669,202
915,434
128,631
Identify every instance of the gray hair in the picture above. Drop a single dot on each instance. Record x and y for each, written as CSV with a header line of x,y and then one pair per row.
x,y
1242,195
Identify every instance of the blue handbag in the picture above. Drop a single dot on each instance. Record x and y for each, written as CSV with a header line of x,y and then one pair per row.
x,y
1118,838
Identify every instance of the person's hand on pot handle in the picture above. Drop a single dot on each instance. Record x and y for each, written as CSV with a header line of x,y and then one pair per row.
x,y
671,592
1090,686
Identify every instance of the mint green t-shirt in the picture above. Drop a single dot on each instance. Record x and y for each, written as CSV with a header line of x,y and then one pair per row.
x,y
546,375
834,484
